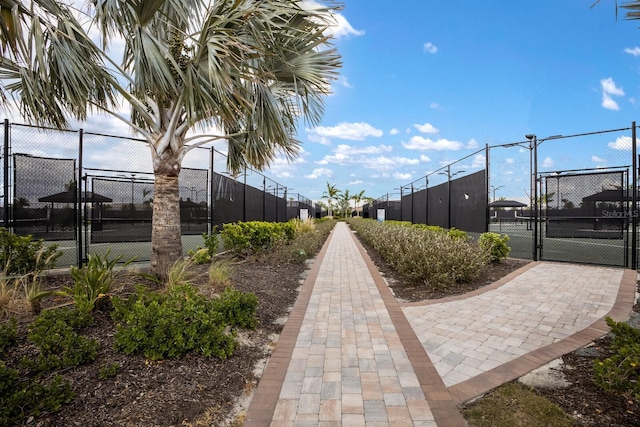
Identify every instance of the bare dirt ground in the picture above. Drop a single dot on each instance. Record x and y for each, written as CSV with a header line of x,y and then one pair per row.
x,y
201,391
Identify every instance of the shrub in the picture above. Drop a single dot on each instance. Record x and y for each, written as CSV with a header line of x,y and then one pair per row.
x,y
247,238
8,334
23,397
237,308
200,256
108,371
620,373
496,245
54,334
456,234
423,256
21,254
211,248
301,247
168,325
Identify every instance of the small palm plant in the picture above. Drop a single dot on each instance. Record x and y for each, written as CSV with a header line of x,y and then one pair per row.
x,y
92,282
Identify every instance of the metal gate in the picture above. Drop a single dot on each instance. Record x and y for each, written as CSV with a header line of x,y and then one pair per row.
x,y
585,217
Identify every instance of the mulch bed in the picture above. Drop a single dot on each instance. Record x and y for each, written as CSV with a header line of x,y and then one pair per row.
x,y
200,391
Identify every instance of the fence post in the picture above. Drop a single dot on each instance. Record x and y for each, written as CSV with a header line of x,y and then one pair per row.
x,y
78,201
264,198
487,177
534,183
426,195
211,195
634,199
5,170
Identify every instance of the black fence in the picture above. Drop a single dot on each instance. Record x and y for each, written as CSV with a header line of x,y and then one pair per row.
x,y
585,212
95,191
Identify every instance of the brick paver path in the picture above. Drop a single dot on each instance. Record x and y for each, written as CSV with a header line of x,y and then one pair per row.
x,y
351,355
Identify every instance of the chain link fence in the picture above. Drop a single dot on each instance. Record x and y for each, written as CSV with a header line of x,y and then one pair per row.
x,y
89,192
561,198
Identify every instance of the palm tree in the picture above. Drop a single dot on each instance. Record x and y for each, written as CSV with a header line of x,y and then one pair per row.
x,y
330,194
344,202
357,198
249,68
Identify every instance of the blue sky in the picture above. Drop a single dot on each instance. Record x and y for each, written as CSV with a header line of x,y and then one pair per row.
x,y
428,82
425,83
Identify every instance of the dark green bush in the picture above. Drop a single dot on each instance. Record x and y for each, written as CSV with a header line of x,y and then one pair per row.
x,y
20,398
170,324
21,254
496,244
253,237
620,373
54,332
237,308
8,334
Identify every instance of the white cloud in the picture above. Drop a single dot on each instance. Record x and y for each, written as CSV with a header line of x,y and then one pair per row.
x,y
342,27
621,143
388,163
435,106
351,131
420,143
343,81
598,159
424,158
509,161
339,27
635,51
548,162
319,173
372,149
609,86
608,102
402,176
283,168
394,131
472,144
356,182
426,128
609,89
322,140
430,47
479,161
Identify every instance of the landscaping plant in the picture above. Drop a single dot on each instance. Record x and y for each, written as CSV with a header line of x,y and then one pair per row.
x,y
92,282
21,254
620,373
424,256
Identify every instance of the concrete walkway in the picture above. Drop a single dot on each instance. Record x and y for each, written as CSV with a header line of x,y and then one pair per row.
x,y
351,355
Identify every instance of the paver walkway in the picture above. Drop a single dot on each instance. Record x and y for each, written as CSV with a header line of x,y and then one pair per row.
x,y
351,355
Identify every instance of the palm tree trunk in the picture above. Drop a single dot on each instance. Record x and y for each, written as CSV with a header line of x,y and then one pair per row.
x,y
166,238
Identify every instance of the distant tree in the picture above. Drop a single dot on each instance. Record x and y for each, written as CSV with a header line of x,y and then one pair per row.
x,y
357,198
331,193
344,203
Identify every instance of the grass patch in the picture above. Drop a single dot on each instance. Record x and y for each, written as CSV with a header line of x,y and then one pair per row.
x,y
515,405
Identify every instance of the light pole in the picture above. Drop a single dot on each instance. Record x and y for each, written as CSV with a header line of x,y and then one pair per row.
x,y
493,189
